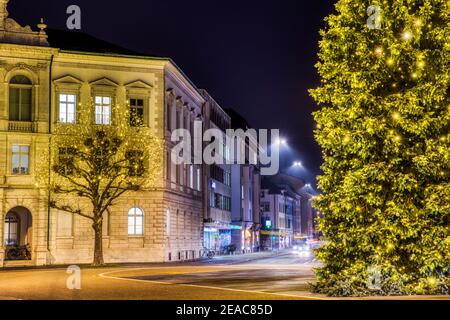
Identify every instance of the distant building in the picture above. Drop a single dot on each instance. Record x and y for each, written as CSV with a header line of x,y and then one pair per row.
x,y
217,231
246,182
286,211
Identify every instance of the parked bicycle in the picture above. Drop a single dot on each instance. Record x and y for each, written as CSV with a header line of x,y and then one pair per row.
x,y
208,253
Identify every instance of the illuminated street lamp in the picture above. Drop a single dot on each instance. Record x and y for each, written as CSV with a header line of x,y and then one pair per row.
x,y
281,142
297,164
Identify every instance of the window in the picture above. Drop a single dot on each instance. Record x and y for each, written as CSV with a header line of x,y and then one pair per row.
x,y
227,153
20,159
20,99
168,165
135,163
66,160
67,108
199,186
135,222
11,231
177,174
212,199
136,112
265,206
191,176
185,175
103,110
222,202
217,173
227,178
168,116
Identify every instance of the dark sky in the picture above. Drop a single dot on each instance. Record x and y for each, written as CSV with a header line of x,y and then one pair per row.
x,y
254,56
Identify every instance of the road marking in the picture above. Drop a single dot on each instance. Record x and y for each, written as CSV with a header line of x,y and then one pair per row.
x,y
106,276
9,298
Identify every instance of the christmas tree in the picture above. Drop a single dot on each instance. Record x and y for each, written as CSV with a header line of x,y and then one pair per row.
x,y
384,126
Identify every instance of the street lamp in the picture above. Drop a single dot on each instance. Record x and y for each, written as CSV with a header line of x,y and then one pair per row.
x,y
297,164
281,142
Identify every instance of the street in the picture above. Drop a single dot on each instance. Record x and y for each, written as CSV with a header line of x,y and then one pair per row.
x,y
259,276
256,276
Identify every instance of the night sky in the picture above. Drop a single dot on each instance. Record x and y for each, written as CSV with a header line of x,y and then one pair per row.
x,y
256,57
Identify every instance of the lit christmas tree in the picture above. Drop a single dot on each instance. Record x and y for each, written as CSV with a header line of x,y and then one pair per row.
x,y
384,128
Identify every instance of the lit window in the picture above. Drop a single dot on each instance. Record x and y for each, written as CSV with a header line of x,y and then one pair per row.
x,y
20,159
136,112
103,110
199,186
67,108
227,153
191,176
135,222
11,231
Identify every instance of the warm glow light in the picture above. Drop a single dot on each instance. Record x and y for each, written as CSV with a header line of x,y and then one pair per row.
x,y
407,35
379,51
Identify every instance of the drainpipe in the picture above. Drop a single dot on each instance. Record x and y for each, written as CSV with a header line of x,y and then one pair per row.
x,y
49,147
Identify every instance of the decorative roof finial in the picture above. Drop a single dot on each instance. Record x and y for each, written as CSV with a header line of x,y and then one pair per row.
x,y
42,26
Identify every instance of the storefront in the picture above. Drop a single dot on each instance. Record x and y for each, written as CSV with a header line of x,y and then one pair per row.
x,y
275,240
217,236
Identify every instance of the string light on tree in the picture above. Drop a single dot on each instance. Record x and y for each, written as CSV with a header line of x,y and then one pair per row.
x,y
407,35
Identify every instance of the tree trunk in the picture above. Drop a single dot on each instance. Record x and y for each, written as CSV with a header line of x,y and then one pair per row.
x,y
98,246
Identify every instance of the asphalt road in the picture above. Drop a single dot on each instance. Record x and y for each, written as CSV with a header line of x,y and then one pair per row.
x,y
257,276
282,276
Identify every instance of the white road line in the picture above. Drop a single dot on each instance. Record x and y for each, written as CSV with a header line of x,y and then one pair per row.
x,y
104,275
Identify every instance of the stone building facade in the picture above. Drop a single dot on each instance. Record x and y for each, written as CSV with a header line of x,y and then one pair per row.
x,y
43,85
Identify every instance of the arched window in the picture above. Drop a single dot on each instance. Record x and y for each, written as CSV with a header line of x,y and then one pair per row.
x,y
20,99
11,229
135,222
